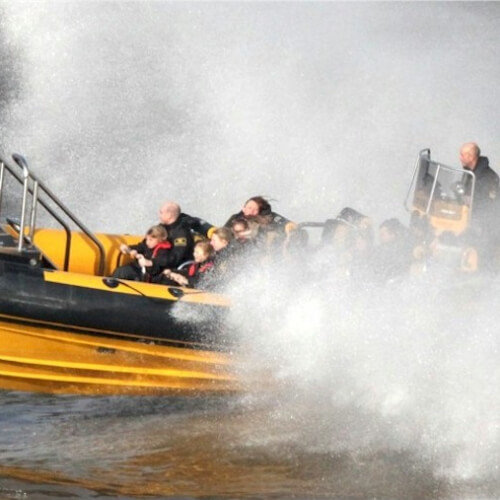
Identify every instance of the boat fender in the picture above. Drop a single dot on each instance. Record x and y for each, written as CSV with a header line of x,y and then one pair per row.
x,y
115,282
178,293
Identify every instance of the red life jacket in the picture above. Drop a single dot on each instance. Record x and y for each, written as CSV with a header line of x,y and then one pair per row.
x,y
164,244
197,268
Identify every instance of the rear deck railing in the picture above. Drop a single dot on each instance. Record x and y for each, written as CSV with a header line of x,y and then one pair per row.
x,y
31,188
424,161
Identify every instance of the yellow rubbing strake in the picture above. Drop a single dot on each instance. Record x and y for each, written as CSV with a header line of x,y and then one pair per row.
x,y
90,380
166,372
123,345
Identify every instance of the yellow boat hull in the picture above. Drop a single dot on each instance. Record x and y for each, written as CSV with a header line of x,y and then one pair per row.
x,y
44,359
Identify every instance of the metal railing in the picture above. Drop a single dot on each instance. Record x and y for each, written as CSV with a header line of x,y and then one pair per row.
x,y
425,156
31,185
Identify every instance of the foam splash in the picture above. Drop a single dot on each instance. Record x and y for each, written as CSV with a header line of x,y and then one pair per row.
x,y
209,104
410,367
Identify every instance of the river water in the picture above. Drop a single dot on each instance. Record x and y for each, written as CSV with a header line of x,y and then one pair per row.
x,y
382,393
69,447
168,447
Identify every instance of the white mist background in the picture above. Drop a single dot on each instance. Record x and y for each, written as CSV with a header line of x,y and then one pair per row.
x,y
122,105
316,105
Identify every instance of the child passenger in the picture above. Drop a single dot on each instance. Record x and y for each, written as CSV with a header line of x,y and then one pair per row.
x,y
150,256
203,255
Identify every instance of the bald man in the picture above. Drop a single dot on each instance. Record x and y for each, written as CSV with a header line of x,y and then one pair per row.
x,y
487,180
179,234
486,206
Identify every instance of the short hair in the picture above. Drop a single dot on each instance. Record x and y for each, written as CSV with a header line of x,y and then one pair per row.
x,y
224,233
207,248
158,231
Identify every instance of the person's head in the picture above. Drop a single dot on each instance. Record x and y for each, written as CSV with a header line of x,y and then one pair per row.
x,y
221,238
257,205
363,242
203,251
241,229
169,212
390,230
469,154
155,235
342,234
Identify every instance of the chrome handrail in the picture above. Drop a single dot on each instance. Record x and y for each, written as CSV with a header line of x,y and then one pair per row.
x,y
439,167
427,152
23,209
38,185
433,190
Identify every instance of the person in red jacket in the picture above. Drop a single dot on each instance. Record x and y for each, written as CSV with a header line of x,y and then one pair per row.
x,y
203,264
150,256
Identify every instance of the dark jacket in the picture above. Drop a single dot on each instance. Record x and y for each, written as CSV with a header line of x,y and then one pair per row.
x,y
487,181
486,201
159,255
391,260
196,271
179,235
225,264
196,224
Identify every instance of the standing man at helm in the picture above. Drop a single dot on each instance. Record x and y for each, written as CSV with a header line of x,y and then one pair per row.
x,y
486,178
486,204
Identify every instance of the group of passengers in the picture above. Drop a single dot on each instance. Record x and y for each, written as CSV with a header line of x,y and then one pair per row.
x,y
401,251
185,250
412,250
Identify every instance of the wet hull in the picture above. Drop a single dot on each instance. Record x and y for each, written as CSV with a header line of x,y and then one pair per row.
x,y
71,333
141,310
42,359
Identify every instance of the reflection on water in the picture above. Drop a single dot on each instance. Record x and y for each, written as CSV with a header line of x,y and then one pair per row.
x,y
167,447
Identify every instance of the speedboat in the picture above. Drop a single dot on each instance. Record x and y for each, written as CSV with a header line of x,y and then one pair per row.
x,y
67,328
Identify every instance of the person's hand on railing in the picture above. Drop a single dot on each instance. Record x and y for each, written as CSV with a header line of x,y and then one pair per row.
x,y
142,261
126,250
177,277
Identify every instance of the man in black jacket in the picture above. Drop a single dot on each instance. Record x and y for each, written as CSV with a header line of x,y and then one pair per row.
x,y
487,181
179,234
197,225
486,201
